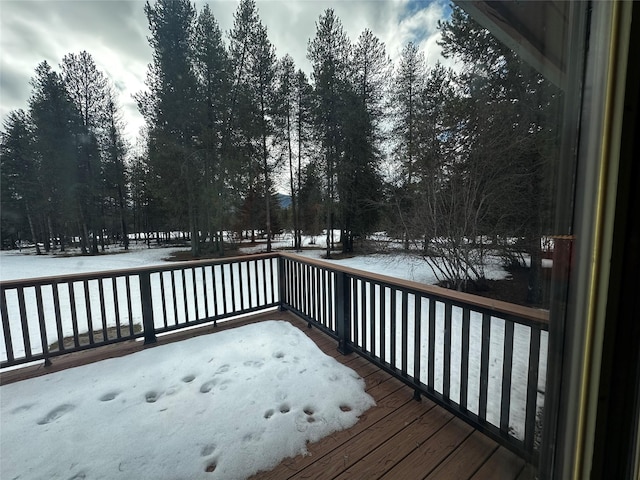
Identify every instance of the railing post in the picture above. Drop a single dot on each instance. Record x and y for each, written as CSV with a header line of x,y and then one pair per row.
x,y
281,283
343,317
147,308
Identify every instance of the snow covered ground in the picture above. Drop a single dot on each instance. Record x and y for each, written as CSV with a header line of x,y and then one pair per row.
x,y
26,264
224,405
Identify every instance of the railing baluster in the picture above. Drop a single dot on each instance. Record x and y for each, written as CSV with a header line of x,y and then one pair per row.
x,y
174,296
116,305
23,321
417,345
87,306
326,305
147,308
224,290
103,311
382,323
74,313
353,282
255,281
6,326
342,295
310,292
392,339
282,282
127,283
58,316
205,294
484,366
372,318
532,390
194,289
215,290
319,302
164,301
446,373
273,290
363,316
233,288
43,328
464,369
240,289
185,303
507,367
431,382
249,293
296,277
405,332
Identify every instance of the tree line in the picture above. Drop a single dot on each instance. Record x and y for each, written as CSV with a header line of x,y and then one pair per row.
x,y
455,163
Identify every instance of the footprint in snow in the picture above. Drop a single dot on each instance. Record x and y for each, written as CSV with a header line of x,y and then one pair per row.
x,y
222,369
56,413
207,450
151,397
22,408
188,378
107,397
208,386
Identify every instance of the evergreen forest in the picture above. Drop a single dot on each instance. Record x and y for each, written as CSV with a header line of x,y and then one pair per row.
x,y
451,164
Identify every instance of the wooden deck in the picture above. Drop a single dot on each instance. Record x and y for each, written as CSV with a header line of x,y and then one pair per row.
x,y
399,438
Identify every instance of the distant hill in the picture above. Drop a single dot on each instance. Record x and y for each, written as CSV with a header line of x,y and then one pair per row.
x,y
283,200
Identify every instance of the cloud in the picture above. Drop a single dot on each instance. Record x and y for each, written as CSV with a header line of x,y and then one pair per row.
x,y
114,32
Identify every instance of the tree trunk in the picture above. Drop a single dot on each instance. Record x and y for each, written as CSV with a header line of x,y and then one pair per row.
x,y
33,231
534,287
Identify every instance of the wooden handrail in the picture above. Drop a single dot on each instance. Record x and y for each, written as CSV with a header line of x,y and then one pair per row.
x,y
123,272
532,314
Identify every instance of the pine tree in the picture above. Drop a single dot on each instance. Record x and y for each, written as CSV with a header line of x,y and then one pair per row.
x,y
88,89
114,170
170,108
58,133
329,53
212,69
20,185
358,180
303,127
284,123
407,89
263,79
242,140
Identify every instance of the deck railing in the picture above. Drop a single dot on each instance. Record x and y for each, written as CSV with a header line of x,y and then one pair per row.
x,y
482,359
46,317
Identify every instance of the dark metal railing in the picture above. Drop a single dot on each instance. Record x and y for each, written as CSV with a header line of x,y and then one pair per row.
x,y
455,348
482,359
46,317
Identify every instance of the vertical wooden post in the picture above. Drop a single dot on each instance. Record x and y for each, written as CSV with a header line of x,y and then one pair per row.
x,y
343,317
281,284
147,308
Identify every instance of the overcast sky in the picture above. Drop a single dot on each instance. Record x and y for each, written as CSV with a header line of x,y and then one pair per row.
x,y
115,32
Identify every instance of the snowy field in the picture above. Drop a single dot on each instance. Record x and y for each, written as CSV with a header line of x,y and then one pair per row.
x,y
224,406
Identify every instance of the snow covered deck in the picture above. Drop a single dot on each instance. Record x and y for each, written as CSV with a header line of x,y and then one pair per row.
x,y
399,438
